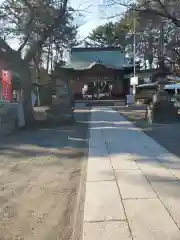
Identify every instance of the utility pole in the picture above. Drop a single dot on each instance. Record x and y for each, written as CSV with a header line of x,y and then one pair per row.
x,y
134,46
134,57
134,80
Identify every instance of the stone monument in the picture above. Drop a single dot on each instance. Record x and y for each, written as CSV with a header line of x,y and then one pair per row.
x,y
61,110
161,109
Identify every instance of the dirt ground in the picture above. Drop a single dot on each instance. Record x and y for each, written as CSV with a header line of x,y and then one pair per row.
x,y
42,179
168,135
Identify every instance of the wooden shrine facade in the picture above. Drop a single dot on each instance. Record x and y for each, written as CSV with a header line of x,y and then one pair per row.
x,y
120,84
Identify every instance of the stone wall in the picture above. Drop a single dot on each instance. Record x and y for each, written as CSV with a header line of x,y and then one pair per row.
x,y
7,119
11,118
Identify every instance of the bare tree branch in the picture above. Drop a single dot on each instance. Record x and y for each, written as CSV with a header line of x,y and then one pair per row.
x,y
47,32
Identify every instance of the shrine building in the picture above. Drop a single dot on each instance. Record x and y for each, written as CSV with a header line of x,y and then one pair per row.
x,y
108,64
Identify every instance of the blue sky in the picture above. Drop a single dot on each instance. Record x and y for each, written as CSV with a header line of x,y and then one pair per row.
x,y
94,14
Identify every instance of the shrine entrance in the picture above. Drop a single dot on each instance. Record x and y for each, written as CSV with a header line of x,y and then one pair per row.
x,y
97,89
100,83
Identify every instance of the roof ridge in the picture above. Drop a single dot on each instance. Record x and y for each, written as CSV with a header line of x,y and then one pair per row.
x,y
91,49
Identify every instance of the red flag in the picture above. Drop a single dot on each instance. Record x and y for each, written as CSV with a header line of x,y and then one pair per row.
x,y
6,85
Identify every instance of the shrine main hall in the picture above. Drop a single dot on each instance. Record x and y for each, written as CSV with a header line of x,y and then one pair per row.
x,y
107,64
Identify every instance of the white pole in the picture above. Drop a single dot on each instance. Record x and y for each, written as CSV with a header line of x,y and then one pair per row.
x,y
134,53
134,46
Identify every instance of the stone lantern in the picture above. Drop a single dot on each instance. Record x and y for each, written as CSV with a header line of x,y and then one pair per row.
x,y
161,94
161,110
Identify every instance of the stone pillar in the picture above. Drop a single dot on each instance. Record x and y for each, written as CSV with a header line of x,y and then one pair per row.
x,y
61,111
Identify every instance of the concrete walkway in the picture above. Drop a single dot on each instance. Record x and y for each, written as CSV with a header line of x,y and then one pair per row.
x,y
133,187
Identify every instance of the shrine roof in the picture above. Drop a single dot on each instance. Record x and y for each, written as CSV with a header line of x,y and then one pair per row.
x,y
87,58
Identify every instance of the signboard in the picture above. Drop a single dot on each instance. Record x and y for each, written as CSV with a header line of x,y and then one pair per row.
x,y
130,99
147,80
133,81
6,85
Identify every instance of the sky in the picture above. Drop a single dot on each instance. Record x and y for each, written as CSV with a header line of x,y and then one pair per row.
x,y
94,14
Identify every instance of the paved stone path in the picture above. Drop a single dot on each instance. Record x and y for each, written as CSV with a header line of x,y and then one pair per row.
x,y
133,187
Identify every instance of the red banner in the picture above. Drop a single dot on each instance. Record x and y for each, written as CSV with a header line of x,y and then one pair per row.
x,y
6,85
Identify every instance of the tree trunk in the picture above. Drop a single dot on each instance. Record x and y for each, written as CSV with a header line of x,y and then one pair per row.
x,y
51,53
48,56
26,85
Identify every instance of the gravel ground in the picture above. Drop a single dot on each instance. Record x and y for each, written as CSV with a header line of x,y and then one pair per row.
x,y
42,180
168,135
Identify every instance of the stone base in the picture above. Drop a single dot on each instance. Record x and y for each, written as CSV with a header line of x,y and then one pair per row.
x,y
10,118
58,115
54,116
162,112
